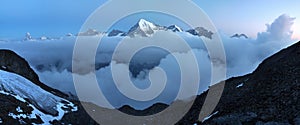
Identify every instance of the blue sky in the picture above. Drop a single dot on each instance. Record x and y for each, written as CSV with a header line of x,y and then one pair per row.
x,y
59,17
249,16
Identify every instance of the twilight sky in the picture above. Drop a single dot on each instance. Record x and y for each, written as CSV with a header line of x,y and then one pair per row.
x,y
59,17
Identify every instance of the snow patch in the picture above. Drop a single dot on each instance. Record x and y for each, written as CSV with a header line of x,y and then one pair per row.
x,y
1,121
208,117
18,109
240,85
17,116
3,67
74,108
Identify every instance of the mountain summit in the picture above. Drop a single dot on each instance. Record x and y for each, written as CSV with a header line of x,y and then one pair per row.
x,y
144,28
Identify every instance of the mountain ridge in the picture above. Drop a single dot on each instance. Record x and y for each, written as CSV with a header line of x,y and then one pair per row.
x,y
145,28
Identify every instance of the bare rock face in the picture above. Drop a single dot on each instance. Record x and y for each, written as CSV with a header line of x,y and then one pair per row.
x,y
12,62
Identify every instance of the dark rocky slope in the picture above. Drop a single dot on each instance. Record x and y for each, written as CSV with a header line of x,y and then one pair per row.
x,y
12,62
269,95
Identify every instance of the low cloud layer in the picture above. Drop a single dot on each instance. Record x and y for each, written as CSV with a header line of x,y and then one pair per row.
x,y
52,60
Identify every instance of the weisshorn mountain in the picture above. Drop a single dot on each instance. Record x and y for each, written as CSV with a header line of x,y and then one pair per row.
x,y
144,28
269,95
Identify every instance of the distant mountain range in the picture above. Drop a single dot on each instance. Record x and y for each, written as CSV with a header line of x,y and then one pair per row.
x,y
146,28
142,28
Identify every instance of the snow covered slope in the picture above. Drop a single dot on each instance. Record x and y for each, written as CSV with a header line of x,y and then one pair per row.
x,y
46,105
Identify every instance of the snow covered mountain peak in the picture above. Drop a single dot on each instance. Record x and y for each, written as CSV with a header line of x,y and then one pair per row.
x,y
146,25
144,28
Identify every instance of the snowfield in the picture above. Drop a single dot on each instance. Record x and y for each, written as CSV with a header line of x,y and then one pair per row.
x,y
22,89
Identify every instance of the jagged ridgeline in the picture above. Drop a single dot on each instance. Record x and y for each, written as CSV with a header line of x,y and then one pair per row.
x,y
146,28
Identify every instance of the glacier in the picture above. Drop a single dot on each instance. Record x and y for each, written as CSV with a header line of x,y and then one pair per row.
x,y
46,105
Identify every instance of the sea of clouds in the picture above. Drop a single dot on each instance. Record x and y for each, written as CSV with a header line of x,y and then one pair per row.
x,y
52,60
